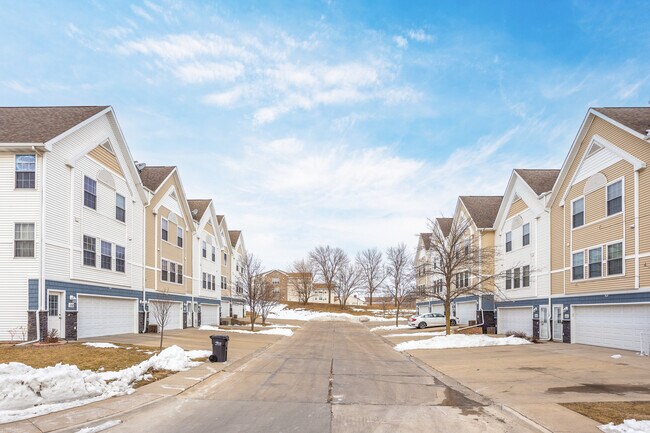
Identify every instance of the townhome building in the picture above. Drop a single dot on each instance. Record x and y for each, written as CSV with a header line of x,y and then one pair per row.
x,y
286,285
427,283
422,263
600,232
71,217
523,254
206,292
238,304
169,241
477,214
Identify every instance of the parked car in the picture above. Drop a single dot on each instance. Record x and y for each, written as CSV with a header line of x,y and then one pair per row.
x,y
430,319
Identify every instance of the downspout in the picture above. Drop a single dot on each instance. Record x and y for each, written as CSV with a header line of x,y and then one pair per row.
x,y
41,283
550,303
636,229
144,268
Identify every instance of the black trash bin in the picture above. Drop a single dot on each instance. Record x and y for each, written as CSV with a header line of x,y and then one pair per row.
x,y
219,348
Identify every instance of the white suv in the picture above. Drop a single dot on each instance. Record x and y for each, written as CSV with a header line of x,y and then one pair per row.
x,y
430,319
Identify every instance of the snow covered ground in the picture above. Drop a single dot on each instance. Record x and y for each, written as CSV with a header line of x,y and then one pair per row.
x,y
101,427
285,332
102,345
458,341
389,328
628,426
28,392
283,313
417,334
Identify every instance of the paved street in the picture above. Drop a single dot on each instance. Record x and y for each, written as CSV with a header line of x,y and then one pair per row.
x,y
330,376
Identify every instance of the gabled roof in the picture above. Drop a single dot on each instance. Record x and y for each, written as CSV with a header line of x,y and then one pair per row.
x,y
445,225
539,180
483,209
426,240
219,219
153,176
200,205
41,124
234,237
635,118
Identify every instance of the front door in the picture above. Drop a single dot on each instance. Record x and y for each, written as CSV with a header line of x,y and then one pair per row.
x,y
55,313
543,322
557,322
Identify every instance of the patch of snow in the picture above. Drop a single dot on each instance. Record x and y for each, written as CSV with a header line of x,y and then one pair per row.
x,y
417,334
617,356
209,328
27,391
459,341
284,326
102,345
628,426
277,331
195,354
308,315
389,328
101,427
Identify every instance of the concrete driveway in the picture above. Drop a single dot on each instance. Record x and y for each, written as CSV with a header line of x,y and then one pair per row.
x,y
533,379
328,377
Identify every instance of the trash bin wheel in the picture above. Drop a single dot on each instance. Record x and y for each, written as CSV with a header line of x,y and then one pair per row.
x,y
212,358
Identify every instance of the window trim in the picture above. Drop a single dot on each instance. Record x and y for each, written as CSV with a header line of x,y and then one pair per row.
x,y
599,262
118,260
102,255
164,270
574,266
516,278
622,180
606,246
509,241
83,251
180,240
164,230
118,208
16,187
525,276
525,241
87,192
33,241
604,262
508,279
584,212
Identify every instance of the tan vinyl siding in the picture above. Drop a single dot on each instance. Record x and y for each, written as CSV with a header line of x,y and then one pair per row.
x,y
606,231
557,283
106,158
516,208
210,229
487,242
605,284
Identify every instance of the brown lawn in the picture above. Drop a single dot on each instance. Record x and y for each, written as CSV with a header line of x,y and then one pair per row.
x,y
612,411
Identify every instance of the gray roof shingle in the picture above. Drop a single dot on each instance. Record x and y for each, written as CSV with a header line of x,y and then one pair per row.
x,y
540,180
482,208
153,176
635,118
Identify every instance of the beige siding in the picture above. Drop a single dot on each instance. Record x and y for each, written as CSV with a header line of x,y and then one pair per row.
x,y
516,208
106,158
608,230
210,229
606,284
557,283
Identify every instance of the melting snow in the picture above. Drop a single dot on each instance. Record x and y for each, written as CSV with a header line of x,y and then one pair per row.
x,y
617,356
390,328
418,334
100,427
628,426
102,345
458,341
281,312
273,331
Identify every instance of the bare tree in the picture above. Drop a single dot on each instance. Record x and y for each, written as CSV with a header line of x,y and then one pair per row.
x,y
328,261
370,263
160,310
348,281
252,282
400,277
268,299
303,279
460,266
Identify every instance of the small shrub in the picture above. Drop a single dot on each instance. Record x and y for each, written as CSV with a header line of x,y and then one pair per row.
x,y
52,336
517,334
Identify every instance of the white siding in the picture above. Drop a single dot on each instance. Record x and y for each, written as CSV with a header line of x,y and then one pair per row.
x,y
596,163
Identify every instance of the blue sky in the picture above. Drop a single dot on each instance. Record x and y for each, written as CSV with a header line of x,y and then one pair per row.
x,y
337,122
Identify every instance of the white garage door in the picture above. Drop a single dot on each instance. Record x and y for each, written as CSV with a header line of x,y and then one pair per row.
x,y
618,326
225,309
174,318
466,311
423,309
106,316
209,314
515,320
439,308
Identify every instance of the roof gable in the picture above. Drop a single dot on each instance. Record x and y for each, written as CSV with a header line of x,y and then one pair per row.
x,y
540,181
635,118
153,176
198,207
482,209
234,237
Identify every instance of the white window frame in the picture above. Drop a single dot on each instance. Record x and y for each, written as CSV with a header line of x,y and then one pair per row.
x,y
33,240
584,212
622,180
35,171
164,222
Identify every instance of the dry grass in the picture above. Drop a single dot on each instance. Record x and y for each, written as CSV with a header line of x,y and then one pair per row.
x,y
612,411
86,358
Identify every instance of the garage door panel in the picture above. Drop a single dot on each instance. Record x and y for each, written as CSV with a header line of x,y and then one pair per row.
x,y
616,326
466,311
99,316
174,320
209,314
438,309
515,320
225,309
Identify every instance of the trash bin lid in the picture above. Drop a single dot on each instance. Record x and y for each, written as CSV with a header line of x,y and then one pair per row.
x,y
220,337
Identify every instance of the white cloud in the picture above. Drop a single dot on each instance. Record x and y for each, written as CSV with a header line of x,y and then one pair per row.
x,y
419,35
17,86
629,90
197,72
401,41
225,99
141,13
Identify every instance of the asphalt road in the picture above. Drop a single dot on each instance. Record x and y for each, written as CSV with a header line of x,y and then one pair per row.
x,y
328,377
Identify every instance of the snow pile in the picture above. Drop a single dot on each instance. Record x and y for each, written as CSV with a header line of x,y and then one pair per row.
x,y
308,315
389,328
273,331
277,331
103,345
284,326
617,356
459,341
101,427
31,391
417,334
628,426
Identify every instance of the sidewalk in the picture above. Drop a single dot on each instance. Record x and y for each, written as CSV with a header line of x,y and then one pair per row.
x,y
242,348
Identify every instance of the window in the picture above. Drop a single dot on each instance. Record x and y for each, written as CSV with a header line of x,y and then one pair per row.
x,y
120,259
516,278
90,193
120,208
26,171
209,282
204,249
172,272
214,253
525,234
615,198
179,236
508,242
205,281
90,245
164,227
578,269
595,262
214,282
53,305
164,274
225,259
508,279
106,253
179,276
578,210
615,259
466,246
525,276
466,274
24,240
224,283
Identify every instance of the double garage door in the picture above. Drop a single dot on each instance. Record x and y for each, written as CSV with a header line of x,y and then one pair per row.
x,y
98,315
465,311
518,319
209,314
617,326
174,314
